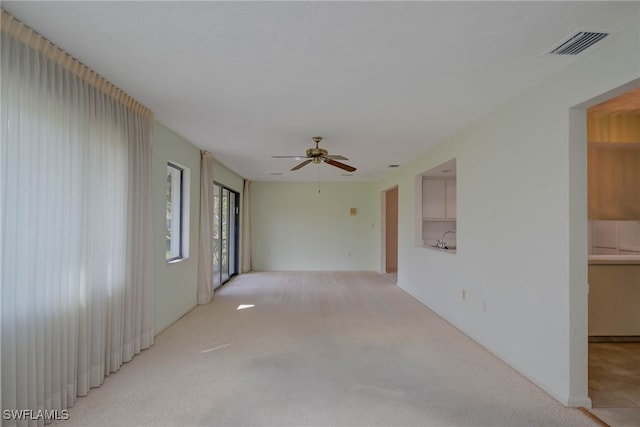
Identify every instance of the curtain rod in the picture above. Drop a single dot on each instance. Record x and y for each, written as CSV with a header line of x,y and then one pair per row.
x,y
25,35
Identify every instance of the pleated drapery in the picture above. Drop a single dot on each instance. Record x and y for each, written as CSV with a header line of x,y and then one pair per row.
x,y
76,243
205,258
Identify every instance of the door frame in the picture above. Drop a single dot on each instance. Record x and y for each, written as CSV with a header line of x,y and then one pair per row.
x,y
383,226
578,245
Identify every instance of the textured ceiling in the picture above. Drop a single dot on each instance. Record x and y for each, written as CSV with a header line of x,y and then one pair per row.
x,y
382,82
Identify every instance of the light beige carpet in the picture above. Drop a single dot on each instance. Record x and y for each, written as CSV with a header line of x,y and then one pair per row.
x,y
317,349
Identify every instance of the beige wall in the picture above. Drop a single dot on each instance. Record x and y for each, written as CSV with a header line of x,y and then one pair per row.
x,y
522,224
175,289
295,227
176,284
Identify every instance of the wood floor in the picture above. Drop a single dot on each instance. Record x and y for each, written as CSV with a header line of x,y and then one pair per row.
x,y
614,382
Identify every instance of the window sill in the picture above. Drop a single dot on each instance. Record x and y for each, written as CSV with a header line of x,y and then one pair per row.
x,y
176,260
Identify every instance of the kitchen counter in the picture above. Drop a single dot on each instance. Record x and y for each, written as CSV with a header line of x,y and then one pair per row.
x,y
448,251
614,259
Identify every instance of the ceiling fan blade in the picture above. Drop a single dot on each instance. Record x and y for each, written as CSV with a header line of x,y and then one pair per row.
x,y
335,157
305,163
288,157
340,165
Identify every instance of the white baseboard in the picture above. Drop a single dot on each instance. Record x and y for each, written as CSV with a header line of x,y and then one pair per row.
x,y
577,402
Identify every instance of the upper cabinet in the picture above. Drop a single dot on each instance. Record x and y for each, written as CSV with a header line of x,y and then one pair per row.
x,y
613,158
450,198
438,198
613,178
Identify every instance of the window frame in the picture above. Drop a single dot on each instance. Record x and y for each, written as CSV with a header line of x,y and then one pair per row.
x,y
178,225
232,237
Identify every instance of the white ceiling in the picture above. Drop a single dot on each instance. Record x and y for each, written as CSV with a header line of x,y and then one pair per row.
x,y
382,82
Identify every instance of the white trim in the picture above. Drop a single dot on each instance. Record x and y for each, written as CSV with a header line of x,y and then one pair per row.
x,y
182,187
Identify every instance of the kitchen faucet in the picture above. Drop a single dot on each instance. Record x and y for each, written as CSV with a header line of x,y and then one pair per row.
x,y
441,243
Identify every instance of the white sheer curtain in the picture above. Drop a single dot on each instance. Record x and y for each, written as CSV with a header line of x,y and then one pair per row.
x,y
75,222
246,226
205,256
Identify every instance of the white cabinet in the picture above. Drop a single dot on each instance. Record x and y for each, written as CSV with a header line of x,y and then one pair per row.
x,y
614,298
433,198
450,197
438,199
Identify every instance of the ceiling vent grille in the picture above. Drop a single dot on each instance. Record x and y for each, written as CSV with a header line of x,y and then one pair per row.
x,y
578,42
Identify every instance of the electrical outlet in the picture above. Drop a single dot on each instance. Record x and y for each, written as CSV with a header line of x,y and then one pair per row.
x,y
484,306
464,294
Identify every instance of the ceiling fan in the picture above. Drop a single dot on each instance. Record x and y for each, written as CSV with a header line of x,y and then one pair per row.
x,y
317,155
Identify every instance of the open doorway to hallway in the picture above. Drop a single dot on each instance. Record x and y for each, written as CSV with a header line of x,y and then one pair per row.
x,y
391,230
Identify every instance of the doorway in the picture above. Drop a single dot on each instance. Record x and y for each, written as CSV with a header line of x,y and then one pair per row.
x,y
391,230
613,156
226,213
579,244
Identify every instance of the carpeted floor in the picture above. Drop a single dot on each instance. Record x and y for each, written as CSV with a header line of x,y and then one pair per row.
x,y
317,349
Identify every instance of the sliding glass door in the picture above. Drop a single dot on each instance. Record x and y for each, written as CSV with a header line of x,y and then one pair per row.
x,y
225,233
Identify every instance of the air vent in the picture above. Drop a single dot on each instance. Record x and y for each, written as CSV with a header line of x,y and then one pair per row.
x,y
578,42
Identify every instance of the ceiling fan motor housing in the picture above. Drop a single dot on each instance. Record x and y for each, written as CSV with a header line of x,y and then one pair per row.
x,y
316,153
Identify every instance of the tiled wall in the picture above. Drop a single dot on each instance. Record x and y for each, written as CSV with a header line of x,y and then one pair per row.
x,y
432,231
614,237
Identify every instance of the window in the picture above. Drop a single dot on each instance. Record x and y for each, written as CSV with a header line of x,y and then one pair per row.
x,y
177,212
